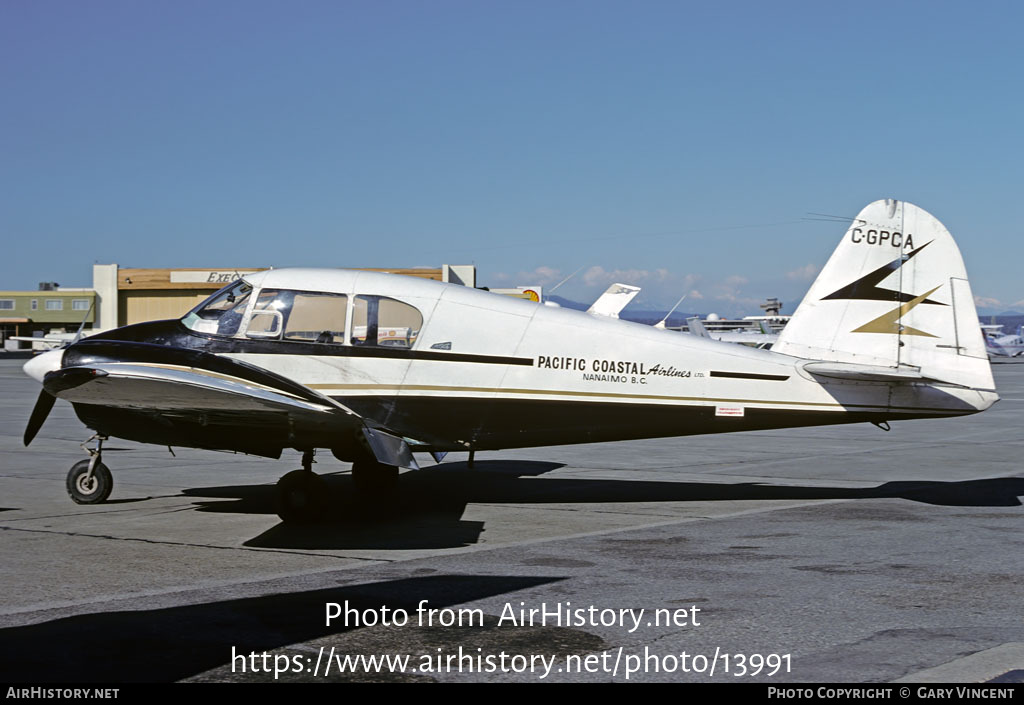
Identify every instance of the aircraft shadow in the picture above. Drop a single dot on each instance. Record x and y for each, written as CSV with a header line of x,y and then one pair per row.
x,y
427,510
419,517
173,643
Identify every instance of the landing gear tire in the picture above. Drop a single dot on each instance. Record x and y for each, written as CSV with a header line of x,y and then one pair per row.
x,y
373,479
301,497
86,489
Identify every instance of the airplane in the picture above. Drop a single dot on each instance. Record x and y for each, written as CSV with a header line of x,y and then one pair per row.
x,y
764,337
56,341
1006,345
615,298
50,341
376,367
662,324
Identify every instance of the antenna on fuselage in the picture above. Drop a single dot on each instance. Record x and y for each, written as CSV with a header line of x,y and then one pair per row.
x,y
566,279
661,324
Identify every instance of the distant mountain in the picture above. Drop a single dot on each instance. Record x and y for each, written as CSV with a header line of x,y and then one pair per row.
x,y
566,303
984,311
1009,321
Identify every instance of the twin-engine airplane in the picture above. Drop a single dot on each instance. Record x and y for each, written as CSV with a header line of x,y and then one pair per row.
x,y
375,367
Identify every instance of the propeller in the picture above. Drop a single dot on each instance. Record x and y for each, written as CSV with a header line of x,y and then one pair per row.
x,y
40,368
55,380
41,410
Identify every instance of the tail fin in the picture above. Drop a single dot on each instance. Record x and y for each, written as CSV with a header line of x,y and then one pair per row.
x,y
696,327
893,294
613,300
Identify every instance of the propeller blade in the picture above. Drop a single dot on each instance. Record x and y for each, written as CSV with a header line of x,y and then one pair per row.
x,y
42,408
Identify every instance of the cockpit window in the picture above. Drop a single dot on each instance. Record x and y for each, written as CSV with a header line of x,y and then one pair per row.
x,y
380,320
310,317
221,314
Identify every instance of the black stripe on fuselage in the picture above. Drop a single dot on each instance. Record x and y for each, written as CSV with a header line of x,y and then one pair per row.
x,y
748,375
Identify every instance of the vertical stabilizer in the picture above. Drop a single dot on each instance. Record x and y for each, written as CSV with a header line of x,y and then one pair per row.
x,y
895,294
696,327
612,301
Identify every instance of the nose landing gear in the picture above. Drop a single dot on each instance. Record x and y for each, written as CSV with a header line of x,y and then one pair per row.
x,y
89,481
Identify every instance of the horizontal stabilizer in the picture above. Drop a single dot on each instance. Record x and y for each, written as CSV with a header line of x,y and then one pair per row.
x,y
865,373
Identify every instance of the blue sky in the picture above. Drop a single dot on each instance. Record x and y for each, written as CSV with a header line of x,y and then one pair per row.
x,y
673,145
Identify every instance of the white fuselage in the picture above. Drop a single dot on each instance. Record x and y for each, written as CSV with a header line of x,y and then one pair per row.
x,y
501,366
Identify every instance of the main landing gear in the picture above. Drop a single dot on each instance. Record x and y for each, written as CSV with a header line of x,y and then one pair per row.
x,y
374,480
302,495
89,481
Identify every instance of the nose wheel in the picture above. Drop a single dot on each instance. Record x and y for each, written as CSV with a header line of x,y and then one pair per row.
x,y
89,481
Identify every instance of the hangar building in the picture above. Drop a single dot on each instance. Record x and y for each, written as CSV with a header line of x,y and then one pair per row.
x,y
121,296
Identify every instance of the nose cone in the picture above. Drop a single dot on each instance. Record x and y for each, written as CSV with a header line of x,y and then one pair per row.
x,y
38,366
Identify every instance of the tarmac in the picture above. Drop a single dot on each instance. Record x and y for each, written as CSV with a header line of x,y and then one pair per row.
x,y
840,554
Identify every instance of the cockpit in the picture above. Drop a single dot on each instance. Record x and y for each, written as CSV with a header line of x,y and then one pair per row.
x,y
324,318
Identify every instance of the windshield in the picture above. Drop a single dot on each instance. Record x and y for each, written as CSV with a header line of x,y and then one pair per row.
x,y
222,313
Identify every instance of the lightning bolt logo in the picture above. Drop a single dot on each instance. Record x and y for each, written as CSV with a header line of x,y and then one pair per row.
x,y
890,322
866,289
